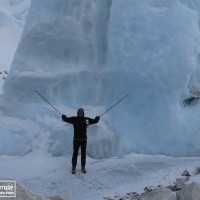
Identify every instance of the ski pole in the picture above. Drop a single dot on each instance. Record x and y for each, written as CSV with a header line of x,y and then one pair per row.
x,y
48,102
114,105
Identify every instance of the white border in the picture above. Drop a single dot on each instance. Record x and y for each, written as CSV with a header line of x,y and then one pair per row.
x,y
15,185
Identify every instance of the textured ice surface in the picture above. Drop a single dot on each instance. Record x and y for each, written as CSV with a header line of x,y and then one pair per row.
x,y
12,20
91,53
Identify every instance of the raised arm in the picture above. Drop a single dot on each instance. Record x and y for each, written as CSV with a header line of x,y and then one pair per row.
x,y
94,121
68,119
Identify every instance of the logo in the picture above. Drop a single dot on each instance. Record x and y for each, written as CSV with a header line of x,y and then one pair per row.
x,y
7,188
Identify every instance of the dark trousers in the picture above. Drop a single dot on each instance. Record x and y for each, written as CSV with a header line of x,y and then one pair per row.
x,y
76,145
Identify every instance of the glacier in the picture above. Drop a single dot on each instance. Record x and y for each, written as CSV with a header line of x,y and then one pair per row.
x,y
90,54
12,19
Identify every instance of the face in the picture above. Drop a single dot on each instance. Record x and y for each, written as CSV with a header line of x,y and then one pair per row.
x,y
80,113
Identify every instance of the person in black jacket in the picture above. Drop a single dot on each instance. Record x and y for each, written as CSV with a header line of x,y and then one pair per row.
x,y
80,124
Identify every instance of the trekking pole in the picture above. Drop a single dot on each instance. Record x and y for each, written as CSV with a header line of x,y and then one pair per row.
x,y
114,105
48,102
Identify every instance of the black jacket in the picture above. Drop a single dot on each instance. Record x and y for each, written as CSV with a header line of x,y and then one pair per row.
x,y
80,125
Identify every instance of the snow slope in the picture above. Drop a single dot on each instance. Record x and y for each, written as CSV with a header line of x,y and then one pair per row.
x,y
52,176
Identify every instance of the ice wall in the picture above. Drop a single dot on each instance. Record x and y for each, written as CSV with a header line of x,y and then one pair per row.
x,y
152,56
93,53
64,42
12,18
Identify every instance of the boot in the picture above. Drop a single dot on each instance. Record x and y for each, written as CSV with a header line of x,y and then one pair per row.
x,y
83,170
73,170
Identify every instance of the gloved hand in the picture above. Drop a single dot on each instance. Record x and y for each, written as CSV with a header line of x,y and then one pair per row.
x,y
64,117
97,118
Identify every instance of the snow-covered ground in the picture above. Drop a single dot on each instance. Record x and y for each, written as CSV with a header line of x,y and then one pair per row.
x,y
112,177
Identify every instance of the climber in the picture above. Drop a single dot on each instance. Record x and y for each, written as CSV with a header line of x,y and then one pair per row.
x,y
80,123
